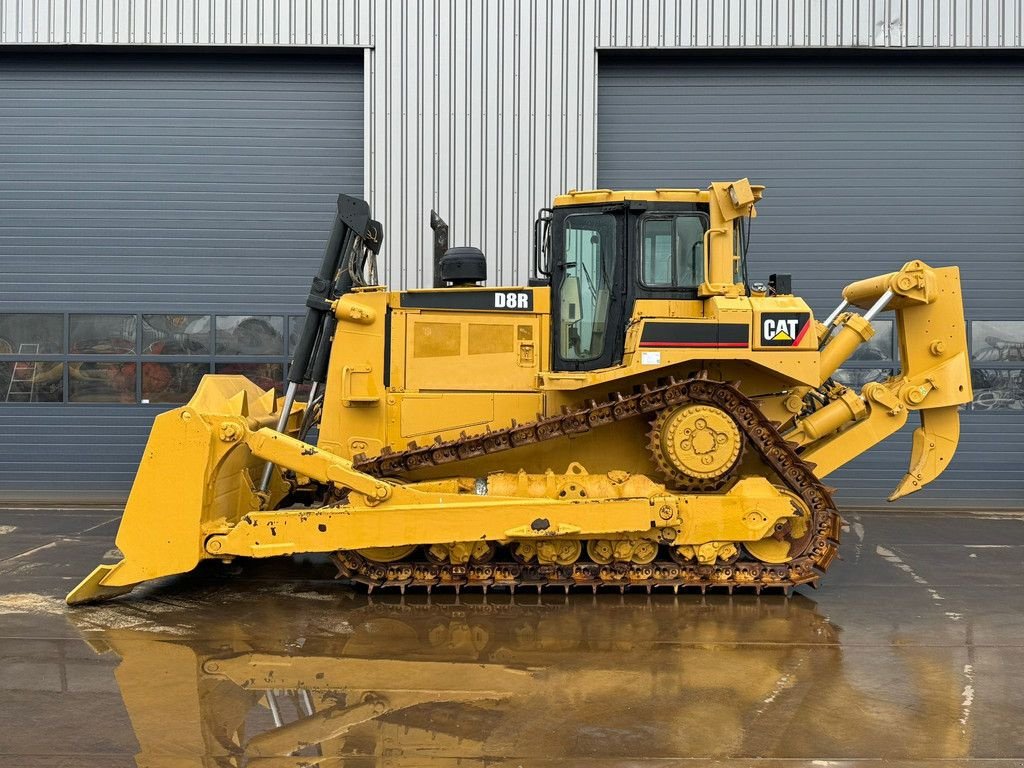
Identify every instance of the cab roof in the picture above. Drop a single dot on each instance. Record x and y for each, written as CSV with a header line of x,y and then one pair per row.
x,y
660,195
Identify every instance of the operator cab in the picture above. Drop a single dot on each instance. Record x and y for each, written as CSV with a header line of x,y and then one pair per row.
x,y
600,257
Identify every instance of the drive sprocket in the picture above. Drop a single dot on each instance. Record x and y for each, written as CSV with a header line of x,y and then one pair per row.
x,y
696,446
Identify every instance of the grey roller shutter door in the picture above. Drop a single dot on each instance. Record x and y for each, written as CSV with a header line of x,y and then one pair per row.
x,y
195,182
869,161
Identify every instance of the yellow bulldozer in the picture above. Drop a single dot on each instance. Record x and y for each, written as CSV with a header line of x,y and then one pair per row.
x,y
640,415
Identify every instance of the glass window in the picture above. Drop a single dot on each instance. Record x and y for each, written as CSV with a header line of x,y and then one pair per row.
x,y
856,378
101,382
175,334
250,335
31,334
100,356
1000,341
879,347
586,285
673,251
263,375
295,323
171,382
32,381
102,334
998,389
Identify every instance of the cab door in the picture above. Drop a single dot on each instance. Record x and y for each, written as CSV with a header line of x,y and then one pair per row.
x,y
588,287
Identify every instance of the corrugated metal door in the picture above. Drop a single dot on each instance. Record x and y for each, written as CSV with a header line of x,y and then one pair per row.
x,y
169,188
869,161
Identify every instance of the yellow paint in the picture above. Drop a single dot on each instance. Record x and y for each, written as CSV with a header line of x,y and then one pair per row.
x,y
399,374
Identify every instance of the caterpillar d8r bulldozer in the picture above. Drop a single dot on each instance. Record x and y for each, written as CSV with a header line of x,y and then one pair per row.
x,y
639,415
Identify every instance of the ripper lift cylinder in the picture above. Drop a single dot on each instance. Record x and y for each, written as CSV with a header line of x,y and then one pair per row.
x,y
855,330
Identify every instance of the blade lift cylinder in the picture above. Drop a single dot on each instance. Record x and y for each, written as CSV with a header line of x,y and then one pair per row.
x,y
353,237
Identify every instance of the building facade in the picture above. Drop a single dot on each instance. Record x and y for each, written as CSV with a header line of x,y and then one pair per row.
x,y
168,169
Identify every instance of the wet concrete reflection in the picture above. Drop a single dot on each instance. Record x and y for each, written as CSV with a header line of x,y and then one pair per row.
x,y
912,653
417,680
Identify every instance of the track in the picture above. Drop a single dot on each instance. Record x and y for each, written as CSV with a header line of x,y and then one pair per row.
x,y
816,551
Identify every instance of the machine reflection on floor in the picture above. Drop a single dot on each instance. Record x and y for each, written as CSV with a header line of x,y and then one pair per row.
x,y
467,679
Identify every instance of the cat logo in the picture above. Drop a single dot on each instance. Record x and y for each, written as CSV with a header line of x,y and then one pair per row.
x,y
784,329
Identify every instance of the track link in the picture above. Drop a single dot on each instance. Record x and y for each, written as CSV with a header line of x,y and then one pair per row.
x,y
761,435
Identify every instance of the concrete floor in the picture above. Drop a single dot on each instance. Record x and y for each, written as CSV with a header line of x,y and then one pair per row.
x,y
912,653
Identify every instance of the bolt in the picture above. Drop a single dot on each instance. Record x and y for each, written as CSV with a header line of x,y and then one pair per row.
x,y
214,545
186,416
665,512
937,347
916,395
229,431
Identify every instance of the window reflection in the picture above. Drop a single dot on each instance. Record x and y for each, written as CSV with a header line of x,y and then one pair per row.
x,y
250,335
855,378
880,345
88,337
101,382
997,341
31,334
102,334
295,323
998,389
175,334
263,375
32,381
171,382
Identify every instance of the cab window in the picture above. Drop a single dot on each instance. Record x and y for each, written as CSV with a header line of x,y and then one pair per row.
x,y
586,287
673,250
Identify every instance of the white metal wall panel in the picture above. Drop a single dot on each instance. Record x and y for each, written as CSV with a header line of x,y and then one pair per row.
x,y
187,22
810,23
475,112
485,109
621,23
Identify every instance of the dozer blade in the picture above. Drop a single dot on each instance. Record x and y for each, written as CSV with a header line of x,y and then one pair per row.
x,y
93,589
188,480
